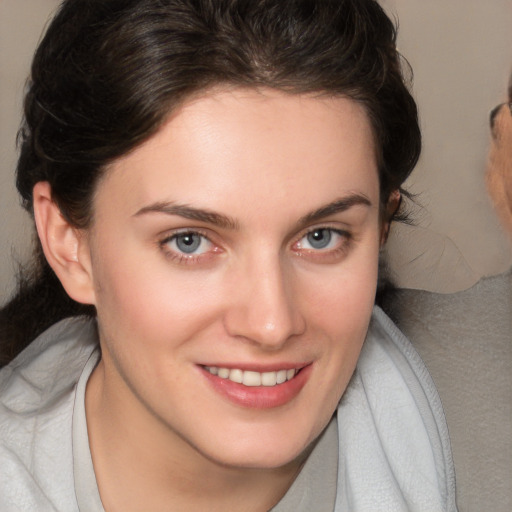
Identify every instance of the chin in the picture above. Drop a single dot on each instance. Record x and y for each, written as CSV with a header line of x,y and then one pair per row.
x,y
261,460
262,448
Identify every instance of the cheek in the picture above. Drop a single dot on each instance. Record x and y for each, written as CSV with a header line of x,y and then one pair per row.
x,y
339,315
351,286
140,298
342,305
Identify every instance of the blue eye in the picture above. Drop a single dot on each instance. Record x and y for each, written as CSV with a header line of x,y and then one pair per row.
x,y
321,239
189,243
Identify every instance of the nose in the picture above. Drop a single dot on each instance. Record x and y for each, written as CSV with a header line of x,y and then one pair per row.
x,y
264,308
494,112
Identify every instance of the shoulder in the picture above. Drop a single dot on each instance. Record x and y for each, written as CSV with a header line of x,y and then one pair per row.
x,y
394,444
49,366
487,303
36,408
389,364
465,340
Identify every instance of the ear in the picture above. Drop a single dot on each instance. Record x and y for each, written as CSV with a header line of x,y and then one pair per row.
x,y
392,206
66,248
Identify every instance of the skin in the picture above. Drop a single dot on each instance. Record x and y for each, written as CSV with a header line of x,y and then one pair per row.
x,y
499,168
273,168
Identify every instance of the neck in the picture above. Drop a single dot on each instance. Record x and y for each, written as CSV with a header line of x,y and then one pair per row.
x,y
142,464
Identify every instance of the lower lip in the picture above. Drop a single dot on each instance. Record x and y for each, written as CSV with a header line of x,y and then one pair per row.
x,y
259,397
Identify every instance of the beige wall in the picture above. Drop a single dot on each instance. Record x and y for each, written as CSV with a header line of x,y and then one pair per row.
x,y
461,52
21,23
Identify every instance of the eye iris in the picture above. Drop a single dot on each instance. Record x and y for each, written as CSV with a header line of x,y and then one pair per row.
x,y
188,242
320,238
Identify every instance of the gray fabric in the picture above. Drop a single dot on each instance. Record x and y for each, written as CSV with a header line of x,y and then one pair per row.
x,y
314,489
394,446
36,412
86,488
465,340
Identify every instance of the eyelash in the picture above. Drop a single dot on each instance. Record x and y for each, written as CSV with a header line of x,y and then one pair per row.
x,y
321,254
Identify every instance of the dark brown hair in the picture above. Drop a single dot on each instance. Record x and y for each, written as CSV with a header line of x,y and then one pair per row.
x,y
108,73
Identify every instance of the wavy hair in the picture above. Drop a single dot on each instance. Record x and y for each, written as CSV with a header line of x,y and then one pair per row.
x,y
108,73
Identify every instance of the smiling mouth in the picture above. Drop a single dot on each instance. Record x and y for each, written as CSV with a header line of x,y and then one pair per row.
x,y
251,378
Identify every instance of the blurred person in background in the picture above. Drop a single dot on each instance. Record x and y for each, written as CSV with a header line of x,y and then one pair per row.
x,y
465,339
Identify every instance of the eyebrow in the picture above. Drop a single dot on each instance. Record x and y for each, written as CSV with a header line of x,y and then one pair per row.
x,y
337,206
225,222
188,212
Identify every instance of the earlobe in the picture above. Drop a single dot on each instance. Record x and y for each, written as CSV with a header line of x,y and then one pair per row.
x,y
65,247
392,206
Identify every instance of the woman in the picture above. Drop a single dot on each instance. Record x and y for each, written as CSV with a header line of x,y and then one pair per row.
x,y
212,183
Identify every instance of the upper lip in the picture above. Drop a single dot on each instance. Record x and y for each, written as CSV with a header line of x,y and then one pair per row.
x,y
259,367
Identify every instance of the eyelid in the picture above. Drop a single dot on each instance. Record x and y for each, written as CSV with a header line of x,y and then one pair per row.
x,y
166,236
345,232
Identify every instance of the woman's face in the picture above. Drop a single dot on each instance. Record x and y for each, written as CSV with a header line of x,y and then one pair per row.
x,y
234,262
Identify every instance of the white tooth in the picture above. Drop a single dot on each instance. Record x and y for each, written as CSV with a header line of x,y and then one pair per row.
x,y
223,373
252,378
281,376
290,374
269,378
236,376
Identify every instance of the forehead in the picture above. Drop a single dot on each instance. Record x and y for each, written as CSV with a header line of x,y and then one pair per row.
x,y
276,146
